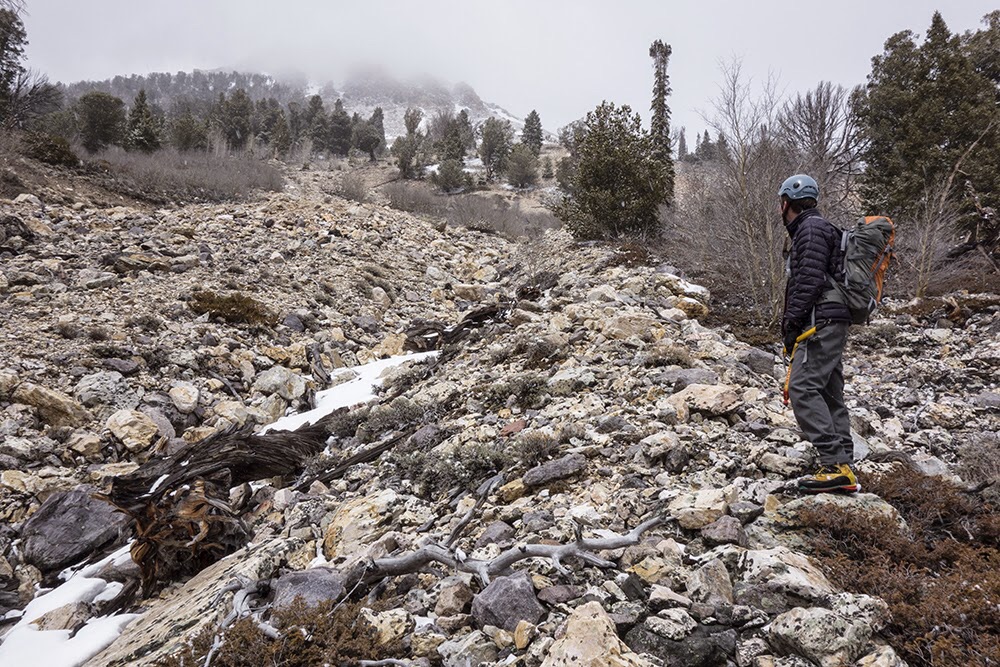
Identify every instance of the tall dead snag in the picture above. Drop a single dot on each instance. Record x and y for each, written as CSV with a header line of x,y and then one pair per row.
x,y
180,503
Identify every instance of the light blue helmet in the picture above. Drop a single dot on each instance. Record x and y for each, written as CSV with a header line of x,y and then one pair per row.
x,y
799,186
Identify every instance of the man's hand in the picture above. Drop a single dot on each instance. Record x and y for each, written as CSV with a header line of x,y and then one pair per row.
x,y
789,341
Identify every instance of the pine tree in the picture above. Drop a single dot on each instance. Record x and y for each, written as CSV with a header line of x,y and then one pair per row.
x,y
659,129
236,116
143,130
377,121
281,138
531,135
411,119
682,146
12,41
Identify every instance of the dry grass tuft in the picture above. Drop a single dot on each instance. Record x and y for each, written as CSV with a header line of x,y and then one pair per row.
x,y
171,176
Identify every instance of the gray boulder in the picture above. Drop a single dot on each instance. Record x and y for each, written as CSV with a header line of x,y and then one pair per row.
x,y
314,586
506,601
552,471
68,526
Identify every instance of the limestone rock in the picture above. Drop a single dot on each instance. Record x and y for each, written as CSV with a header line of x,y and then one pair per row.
x,y
454,598
785,572
506,601
66,617
884,656
313,586
673,624
355,524
713,400
282,381
185,397
699,509
471,650
590,640
711,584
54,407
824,637
551,471
390,625
134,429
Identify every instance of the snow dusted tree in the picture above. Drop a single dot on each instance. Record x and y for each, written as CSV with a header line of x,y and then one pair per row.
x,y
143,129
411,119
531,136
682,146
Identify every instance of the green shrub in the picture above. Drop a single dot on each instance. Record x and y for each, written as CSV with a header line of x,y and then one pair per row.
x,y
450,176
522,167
49,149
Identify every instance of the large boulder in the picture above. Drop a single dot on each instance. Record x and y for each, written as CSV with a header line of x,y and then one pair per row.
x,y
68,526
823,636
312,586
552,471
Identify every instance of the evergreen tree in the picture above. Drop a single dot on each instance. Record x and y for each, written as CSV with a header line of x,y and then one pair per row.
x,y
367,139
12,41
411,119
531,135
659,127
619,183
377,121
340,130
100,120
280,138
466,133
143,129
498,139
522,166
928,115
188,133
235,116
682,146
314,108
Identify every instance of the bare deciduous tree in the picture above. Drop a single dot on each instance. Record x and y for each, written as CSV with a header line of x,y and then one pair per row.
x,y
821,132
745,228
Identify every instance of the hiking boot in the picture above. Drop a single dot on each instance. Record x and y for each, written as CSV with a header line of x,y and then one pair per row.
x,y
831,478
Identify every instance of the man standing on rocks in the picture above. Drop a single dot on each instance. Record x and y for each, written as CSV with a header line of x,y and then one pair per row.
x,y
814,331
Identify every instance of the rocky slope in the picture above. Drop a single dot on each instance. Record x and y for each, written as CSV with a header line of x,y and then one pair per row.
x,y
597,396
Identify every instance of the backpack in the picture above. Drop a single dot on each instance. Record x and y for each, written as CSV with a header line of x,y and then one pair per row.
x,y
867,249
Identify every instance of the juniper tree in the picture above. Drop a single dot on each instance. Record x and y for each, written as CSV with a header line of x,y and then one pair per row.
x,y
411,119
618,183
100,120
928,115
495,147
531,135
522,166
659,125
339,141
143,129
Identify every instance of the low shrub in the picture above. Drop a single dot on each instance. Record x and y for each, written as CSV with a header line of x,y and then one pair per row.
x,y
169,175
496,215
534,447
324,634
414,198
939,573
234,308
353,187
49,149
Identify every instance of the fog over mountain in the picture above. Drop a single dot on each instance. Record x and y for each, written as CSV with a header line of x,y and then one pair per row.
x,y
561,58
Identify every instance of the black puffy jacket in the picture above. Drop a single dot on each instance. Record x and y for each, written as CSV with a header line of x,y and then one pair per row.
x,y
815,255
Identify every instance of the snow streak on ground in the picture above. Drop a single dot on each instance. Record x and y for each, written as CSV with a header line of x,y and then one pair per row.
x,y
353,392
25,644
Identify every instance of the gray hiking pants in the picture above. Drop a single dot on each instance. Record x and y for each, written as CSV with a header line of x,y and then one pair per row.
x,y
816,390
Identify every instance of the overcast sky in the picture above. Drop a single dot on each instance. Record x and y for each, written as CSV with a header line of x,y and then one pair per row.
x,y
560,57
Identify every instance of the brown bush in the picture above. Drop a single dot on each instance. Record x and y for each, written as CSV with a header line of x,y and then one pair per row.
x,y
414,198
353,187
235,308
938,574
169,175
496,215
320,635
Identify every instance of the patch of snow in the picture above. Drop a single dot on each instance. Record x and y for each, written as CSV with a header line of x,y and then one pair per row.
x,y
353,392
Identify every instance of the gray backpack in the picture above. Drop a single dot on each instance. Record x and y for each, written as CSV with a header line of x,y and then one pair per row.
x,y
867,249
